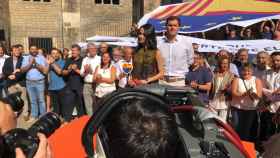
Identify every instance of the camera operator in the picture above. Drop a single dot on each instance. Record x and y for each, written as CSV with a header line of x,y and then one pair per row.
x,y
8,121
139,130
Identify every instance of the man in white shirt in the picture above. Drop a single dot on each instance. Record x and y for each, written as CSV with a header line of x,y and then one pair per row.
x,y
117,55
89,64
271,89
177,52
124,67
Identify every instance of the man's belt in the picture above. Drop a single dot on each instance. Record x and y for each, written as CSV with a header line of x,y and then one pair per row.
x,y
36,80
173,78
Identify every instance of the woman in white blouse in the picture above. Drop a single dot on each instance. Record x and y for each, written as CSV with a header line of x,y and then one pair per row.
x,y
219,94
104,76
246,92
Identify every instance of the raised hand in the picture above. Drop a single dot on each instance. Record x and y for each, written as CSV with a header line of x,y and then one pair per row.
x,y
50,60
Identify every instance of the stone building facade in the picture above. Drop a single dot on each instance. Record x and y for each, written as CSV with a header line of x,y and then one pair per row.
x,y
4,22
36,22
59,23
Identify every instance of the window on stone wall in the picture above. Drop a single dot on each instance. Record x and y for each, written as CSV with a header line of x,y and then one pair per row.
x,y
107,1
115,2
46,0
98,1
45,43
71,6
2,35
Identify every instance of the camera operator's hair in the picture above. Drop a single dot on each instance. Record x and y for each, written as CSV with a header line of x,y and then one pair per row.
x,y
140,129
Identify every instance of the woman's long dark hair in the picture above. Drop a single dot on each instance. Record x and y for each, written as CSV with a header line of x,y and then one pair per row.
x,y
150,35
102,63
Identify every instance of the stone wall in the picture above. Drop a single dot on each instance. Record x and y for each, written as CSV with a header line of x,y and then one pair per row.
x,y
4,20
74,20
35,19
71,22
105,19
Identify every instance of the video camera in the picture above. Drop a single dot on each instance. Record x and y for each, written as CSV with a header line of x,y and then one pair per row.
x,y
174,96
202,134
27,140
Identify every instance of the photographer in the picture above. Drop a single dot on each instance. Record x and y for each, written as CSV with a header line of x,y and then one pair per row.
x,y
8,121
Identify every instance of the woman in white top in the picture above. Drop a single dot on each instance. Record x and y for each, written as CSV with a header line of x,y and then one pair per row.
x,y
104,76
219,94
246,92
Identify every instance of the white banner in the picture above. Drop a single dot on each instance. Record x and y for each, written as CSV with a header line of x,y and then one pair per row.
x,y
254,46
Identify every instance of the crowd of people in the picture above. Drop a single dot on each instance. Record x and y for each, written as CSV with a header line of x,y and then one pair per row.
x,y
244,94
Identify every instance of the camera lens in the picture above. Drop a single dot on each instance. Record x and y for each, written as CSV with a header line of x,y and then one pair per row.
x,y
27,140
15,101
47,124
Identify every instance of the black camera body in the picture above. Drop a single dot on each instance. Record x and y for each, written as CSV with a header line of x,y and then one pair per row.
x,y
174,96
20,138
27,140
14,100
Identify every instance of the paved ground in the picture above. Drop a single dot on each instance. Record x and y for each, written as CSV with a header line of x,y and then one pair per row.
x,y
23,124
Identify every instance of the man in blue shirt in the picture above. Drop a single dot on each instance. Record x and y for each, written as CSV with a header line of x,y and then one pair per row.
x,y
36,68
199,78
56,82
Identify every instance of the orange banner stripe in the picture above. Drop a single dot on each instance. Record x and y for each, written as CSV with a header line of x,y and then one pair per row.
x,y
189,8
204,6
169,11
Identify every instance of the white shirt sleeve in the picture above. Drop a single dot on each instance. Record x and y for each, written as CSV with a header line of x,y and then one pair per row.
x,y
82,72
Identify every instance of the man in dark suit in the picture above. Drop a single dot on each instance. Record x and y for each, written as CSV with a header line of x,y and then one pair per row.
x,y
15,79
